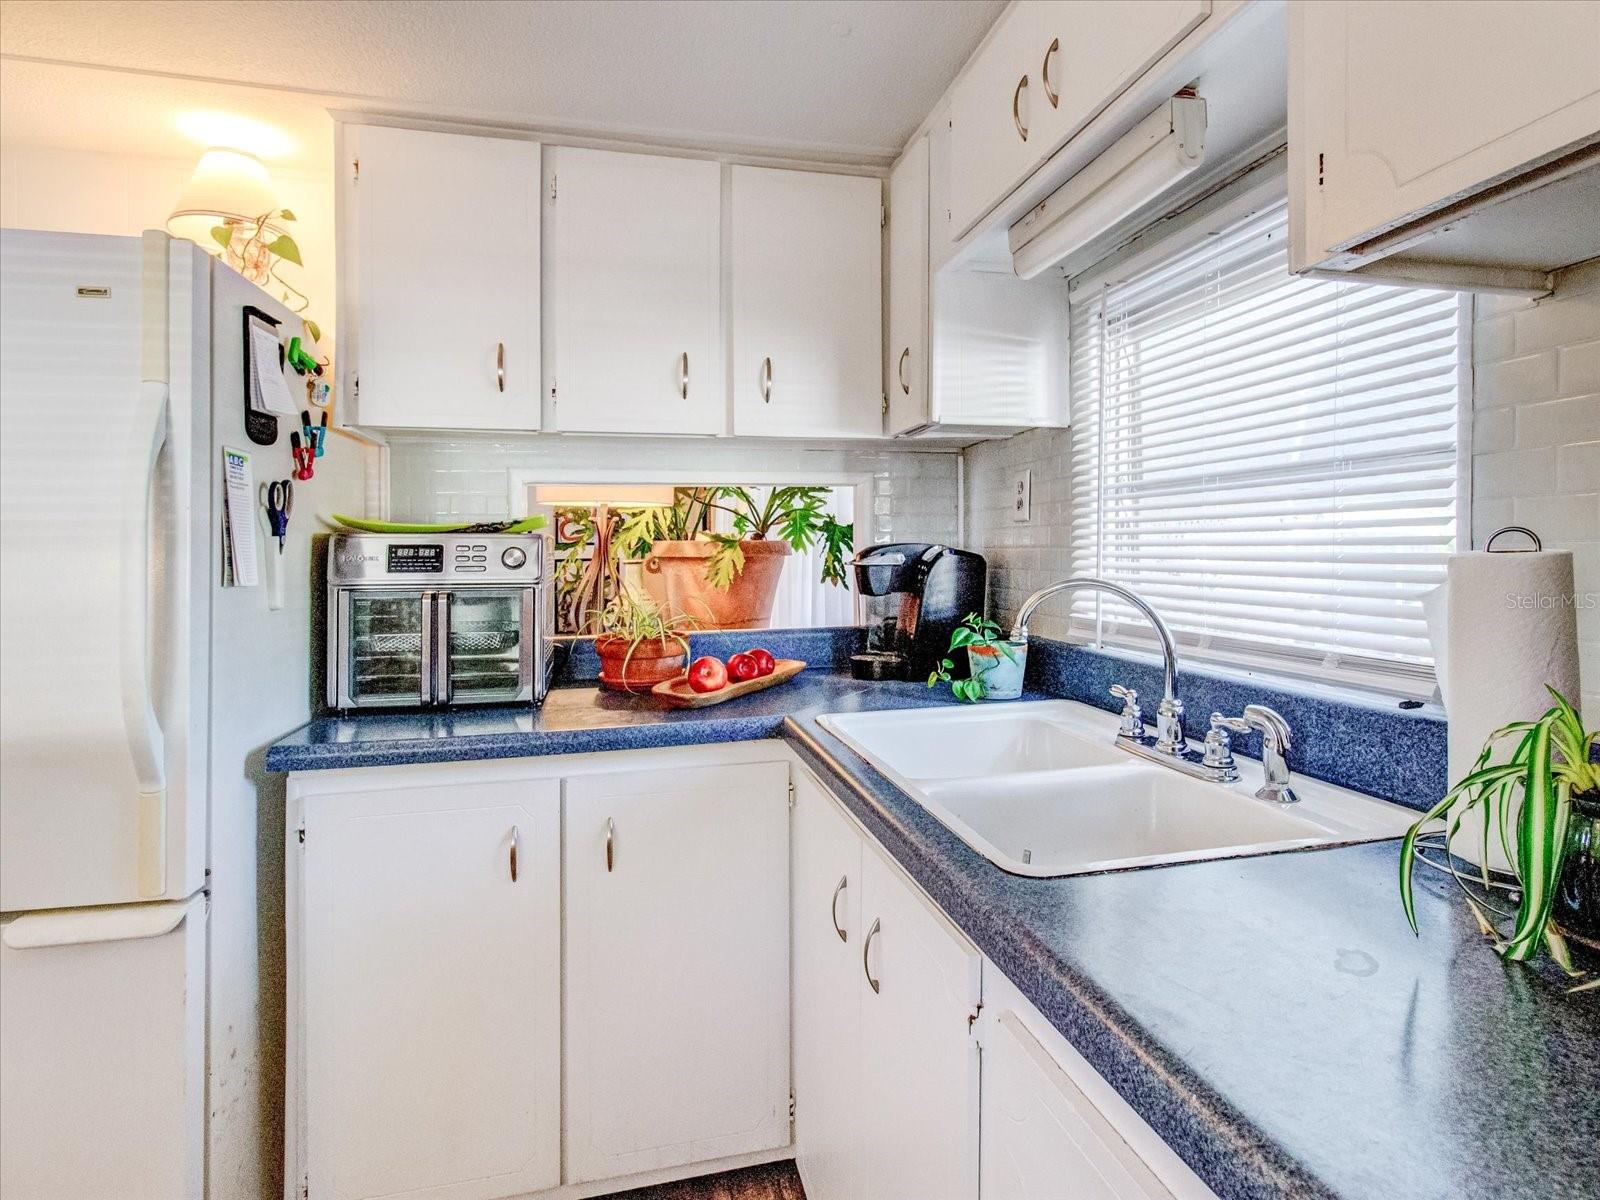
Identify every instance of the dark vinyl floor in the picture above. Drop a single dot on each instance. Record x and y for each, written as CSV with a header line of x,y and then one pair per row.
x,y
772,1181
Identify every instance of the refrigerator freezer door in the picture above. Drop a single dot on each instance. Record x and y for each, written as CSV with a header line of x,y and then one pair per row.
x,y
103,1091
96,494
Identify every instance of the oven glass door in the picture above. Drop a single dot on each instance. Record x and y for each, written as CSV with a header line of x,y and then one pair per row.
x,y
387,641
489,632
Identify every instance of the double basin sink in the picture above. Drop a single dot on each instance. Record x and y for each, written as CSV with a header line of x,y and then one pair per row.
x,y
1040,788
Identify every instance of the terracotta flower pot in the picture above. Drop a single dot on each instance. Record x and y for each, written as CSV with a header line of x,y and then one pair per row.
x,y
637,668
675,578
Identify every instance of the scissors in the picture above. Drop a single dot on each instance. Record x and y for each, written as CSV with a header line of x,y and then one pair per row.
x,y
279,499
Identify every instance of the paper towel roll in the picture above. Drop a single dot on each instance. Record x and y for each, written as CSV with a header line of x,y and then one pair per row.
x,y
1503,627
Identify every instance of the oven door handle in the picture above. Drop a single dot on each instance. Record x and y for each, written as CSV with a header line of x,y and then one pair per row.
x,y
425,671
443,689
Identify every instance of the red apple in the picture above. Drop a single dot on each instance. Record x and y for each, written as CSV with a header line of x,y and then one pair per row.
x,y
764,660
742,667
707,674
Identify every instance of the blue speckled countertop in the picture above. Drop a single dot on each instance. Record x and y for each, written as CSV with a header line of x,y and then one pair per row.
x,y
1272,1018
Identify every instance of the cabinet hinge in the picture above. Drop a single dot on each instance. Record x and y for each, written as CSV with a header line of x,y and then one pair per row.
x,y
355,170
886,404
972,1018
301,831
791,805
552,189
883,216
552,391
305,1187
1320,172
355,388
791,1112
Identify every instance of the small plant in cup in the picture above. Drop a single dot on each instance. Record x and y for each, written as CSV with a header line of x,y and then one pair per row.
x,y
985,643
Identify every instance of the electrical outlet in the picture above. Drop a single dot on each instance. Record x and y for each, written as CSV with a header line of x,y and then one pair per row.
x,y
1022,496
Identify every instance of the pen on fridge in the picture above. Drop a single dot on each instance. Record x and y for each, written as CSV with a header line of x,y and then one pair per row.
x,y
322,436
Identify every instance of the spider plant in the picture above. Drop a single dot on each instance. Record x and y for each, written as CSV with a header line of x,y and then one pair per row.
x,y
1549,763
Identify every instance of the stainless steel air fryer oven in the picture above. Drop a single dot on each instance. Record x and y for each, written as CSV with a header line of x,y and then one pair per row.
x,y
435,620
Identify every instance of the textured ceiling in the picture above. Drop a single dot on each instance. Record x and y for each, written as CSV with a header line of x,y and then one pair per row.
x,y
821,78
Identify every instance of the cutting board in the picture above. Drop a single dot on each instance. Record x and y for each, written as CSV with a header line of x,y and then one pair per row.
x,y
679,694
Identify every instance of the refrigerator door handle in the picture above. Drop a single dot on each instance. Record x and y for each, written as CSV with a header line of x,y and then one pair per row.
x,y
85,926
146,743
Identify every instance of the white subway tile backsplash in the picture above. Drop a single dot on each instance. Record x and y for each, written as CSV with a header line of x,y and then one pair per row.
x,y
1559,320
1514,473
1557,422
1520,380
1578,467
1578,369
1494,429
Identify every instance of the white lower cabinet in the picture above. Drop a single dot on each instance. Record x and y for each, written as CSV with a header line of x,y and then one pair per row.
x,y
430,938
677,972
886,1067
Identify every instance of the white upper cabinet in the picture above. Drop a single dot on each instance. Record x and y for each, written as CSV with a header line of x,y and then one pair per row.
x,y
677,972
431,936
1404,116
1047,69
439,268
906,366
633,280
807,316
994,119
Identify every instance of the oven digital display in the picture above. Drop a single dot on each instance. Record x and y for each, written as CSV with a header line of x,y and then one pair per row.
x,y
420,559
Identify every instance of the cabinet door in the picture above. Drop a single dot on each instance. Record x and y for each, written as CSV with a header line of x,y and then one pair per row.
x,y
995,107
827,988
633,272
1043,1139
906,367
919,1126
446,248
432,995
1409,106
677,981
807,313
1088,52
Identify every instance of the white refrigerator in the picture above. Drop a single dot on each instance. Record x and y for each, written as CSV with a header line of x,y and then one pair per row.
x,y
140,840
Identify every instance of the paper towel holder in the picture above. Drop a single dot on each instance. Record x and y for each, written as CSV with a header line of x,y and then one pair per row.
x,y
1488,546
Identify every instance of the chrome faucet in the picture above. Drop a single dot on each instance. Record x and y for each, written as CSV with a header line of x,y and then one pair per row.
x,y
1169,713
1274,732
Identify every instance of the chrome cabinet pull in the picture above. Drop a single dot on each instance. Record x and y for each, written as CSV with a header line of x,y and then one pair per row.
x,y
683,377
500,365
833,907
766,381
516,845
1050,93
1016,103
611,844
901,370
866,949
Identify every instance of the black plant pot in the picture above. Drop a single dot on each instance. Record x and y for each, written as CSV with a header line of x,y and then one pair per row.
x,y
1577,901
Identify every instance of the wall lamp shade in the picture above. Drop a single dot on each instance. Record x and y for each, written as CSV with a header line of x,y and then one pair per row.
x,y
1136,170
227,186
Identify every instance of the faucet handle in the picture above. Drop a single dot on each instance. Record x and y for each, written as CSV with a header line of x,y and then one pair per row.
x,y
1132,715
1219,745
1227,725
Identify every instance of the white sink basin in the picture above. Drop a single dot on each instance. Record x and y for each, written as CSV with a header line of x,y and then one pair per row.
x,y
1039,789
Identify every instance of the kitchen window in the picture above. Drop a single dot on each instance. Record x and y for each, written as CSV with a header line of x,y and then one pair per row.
x,y
1271,461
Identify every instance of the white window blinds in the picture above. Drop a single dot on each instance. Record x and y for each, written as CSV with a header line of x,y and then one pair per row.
x,y
1270,461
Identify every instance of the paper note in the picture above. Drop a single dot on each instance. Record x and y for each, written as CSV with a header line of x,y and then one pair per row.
x,y
269,390
239,503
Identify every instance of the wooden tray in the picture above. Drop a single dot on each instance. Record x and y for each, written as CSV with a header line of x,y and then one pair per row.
x,y
679,694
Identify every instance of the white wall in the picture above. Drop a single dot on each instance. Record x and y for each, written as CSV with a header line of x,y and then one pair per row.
x,y
79,191
1536,460
1536,436
915,496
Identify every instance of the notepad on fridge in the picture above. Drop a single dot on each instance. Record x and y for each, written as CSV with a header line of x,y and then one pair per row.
x,y
269,390
239,527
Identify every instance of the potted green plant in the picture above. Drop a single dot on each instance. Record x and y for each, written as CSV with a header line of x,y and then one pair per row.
x,y
996,663
727,580
1528,802
640,645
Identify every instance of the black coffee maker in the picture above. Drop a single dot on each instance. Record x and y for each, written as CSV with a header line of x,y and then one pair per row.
x,y
915,595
